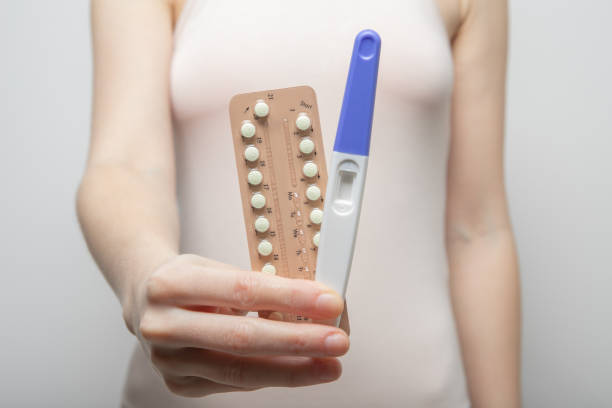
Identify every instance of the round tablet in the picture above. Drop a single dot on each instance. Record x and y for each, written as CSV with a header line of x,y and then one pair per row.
x,y
261,109
316,216
315,239
269,269
264,248
262,224
251,153
307,145
310,169
313,192
247,129
255,177
302,122
258,200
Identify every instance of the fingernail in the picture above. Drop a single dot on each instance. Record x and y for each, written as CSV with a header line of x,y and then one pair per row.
x,y
328,376
327,301
336,343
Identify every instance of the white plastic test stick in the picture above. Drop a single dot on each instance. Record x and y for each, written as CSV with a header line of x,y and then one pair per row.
x,y
349,162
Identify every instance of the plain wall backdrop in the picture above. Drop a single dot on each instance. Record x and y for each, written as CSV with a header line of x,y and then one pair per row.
x,y
62,339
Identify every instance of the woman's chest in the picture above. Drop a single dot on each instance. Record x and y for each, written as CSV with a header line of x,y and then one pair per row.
x,y
223,48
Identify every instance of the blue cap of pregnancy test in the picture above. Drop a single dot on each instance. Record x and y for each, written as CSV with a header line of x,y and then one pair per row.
x,y
355,124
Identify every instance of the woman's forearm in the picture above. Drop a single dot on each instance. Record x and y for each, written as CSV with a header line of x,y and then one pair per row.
x,y
486,300
130,222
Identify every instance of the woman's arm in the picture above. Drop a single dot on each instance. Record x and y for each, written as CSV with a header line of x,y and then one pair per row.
x,y
126,202
483,265
181,307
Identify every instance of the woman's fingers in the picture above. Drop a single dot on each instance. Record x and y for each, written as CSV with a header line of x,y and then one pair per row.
x,y
248,372
343,324
190,284
241,335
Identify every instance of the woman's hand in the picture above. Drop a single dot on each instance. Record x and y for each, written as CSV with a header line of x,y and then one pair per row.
x,y
182,312
186,315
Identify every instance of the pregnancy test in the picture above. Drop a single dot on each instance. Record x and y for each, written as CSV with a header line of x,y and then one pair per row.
x,y
347,174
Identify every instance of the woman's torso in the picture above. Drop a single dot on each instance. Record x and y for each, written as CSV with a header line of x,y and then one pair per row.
x,y
404,350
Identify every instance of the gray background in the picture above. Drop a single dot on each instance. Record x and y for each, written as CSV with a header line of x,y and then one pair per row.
x,y
62,341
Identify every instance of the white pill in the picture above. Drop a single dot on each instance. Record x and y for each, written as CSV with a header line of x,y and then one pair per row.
x,y
269,269
307,145
247,129
315,239
310,169
264,248
262,224
261,109
251,153
255,177
258,200
316,216
302,122
313,192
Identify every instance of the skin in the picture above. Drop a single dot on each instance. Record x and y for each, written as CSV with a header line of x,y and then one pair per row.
x,y
186,310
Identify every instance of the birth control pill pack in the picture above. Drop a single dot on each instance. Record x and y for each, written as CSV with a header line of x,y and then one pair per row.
x,y
282,177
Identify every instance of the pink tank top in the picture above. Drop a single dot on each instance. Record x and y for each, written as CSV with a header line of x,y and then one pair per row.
x,y
404,348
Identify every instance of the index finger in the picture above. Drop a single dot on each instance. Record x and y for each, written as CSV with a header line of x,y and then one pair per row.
x,y
199,285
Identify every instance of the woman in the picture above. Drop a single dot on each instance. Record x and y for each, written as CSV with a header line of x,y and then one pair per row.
x,y
434,293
